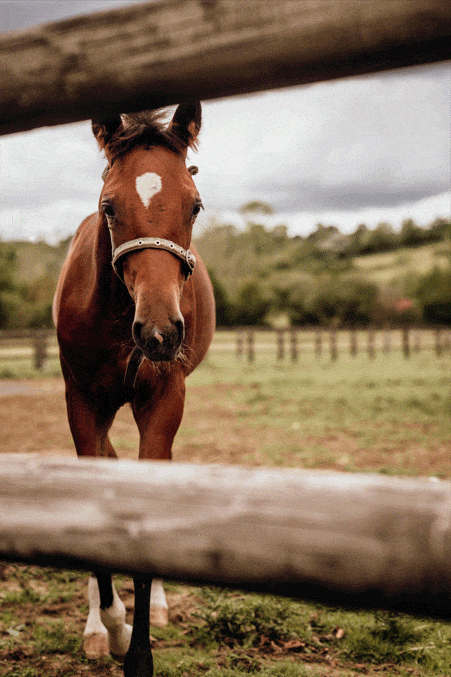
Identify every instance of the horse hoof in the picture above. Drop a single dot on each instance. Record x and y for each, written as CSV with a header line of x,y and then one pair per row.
x,y
158,616
96,645
120,643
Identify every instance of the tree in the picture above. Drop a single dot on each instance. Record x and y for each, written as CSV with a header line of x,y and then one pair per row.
x,y
256,206
223,309
348,301
434,294
411,234
8,296
382,238
250,305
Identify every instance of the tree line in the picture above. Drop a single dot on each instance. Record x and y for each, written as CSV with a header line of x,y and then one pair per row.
x,y
262,276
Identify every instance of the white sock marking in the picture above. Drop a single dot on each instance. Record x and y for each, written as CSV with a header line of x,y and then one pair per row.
x,y
93,624
108,622
119,632
157,596
148,185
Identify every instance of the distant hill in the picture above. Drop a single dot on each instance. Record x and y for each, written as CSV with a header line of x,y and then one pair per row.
x,y
263,275
388,266
35,260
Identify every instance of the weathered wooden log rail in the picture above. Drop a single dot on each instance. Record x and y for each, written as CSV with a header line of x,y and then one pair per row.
x,y
161,53
353,540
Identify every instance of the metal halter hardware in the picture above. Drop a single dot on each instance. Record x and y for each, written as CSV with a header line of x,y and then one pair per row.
x,y
186,256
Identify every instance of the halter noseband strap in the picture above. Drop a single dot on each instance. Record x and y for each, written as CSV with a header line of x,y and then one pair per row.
x,y
186,256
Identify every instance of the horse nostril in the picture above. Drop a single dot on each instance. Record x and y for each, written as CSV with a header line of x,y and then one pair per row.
x,y
180,328
137,332
159,343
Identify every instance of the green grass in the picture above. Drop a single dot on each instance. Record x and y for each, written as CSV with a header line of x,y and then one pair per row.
x,y
400,263
390,414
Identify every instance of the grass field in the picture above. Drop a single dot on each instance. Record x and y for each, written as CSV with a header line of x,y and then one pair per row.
x,y
390,266
386,415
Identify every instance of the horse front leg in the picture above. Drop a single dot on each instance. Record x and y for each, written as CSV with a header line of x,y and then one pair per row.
x,y
106,630
138,661
158,419
89,422
158,413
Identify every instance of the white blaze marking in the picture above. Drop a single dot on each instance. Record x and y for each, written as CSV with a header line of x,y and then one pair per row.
x,y
148,185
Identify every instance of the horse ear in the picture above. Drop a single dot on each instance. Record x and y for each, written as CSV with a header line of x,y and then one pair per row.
x,y
105,130
186,123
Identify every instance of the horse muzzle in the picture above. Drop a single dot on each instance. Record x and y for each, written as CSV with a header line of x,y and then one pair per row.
x,y
159,343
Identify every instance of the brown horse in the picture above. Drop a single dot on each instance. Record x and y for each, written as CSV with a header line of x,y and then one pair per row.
x,y
132,332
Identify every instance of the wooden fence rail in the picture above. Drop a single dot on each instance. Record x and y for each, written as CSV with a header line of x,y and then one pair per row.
x,y
346,539
333,342
38,346
161,53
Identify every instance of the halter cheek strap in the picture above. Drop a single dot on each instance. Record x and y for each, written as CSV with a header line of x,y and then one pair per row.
x,y
185,255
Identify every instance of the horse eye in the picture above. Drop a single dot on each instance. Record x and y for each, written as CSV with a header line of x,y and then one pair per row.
x,y
197,207
108,210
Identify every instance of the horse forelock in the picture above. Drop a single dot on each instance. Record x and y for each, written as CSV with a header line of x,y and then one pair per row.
x,y
147,129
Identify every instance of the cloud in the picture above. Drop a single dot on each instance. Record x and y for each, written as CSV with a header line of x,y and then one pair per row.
x,y
50,179
423,212
369,141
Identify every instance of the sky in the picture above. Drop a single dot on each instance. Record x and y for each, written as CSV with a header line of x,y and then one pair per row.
x,y
358,150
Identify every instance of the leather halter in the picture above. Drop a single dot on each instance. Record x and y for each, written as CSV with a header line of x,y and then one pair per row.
x,y
185,255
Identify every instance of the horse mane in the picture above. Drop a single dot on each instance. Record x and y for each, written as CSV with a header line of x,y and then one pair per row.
x,y
146,128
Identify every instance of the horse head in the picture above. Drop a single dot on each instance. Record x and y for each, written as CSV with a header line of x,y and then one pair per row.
x,y
149,203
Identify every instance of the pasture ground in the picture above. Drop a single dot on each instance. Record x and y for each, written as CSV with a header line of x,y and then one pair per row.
x,y
388,415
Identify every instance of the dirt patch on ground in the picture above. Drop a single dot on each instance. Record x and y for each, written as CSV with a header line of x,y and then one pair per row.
x,y
216,429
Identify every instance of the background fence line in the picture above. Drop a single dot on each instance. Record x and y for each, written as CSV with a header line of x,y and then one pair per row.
x,y
38,346
332,342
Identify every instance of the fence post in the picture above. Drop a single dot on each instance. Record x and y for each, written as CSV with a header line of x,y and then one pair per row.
x,y
40,349
438,342
371,350
318,343
239,344
447,341
353,342
333,344
280,344
250,346
294,345
405,342
387,341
